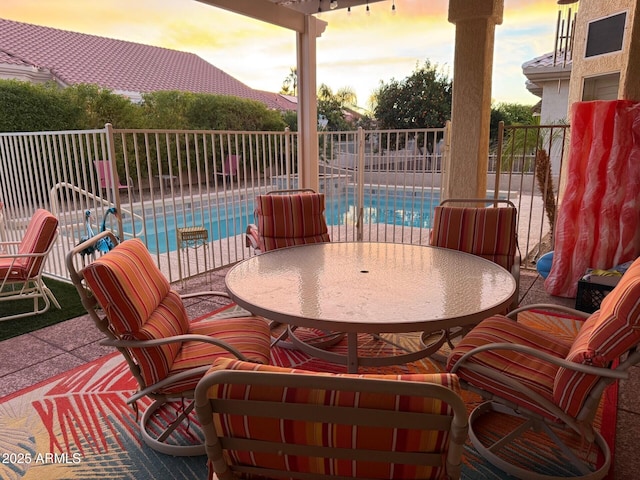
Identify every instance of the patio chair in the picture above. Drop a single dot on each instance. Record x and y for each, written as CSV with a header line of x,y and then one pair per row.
x,y
490,232
552,384
229,168
272,422
103,167
286,218
132,303
22,264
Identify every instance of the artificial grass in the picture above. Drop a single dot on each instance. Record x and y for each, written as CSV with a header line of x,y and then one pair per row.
x,y
67,297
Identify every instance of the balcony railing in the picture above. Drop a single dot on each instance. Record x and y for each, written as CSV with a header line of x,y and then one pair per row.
x,y
380,186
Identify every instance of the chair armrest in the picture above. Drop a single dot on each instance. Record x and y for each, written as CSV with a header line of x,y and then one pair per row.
x,y
187,374
548,306
204,293
22,255
252,237
561,362
191,337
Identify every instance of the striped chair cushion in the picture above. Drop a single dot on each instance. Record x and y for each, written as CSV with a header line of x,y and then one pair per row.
x,y
487,232
139,304
605,336
344,436
534,373
287,220
40,234
156,363
249,335
128,286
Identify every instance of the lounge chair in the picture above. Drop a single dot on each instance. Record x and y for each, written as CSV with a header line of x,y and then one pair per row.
x,y
22,264
229,168
272,422
549,382
133,304
108,181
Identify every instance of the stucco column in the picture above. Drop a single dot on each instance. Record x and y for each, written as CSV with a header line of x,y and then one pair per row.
x,y
475,23
308,103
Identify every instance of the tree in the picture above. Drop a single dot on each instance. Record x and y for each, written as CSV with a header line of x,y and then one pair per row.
x,y
421,100
290,118
290,83
100,106
27,107
223,112
510,114
167,109
333,106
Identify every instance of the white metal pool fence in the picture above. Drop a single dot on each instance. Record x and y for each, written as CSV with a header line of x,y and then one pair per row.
x,y
153,175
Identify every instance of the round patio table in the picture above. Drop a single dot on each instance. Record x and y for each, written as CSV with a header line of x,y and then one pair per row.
x,y
362,287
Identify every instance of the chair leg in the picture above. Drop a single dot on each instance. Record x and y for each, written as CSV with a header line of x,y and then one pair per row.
x,y
47,291
158,442
325,340
490,452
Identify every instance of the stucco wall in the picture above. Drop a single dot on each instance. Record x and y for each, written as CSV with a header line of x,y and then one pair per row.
x,y
590,10
554,102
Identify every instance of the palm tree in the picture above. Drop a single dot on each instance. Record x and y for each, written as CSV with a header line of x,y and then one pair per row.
x,y
290,83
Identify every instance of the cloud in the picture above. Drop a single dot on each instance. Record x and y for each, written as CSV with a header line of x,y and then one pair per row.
x,y
356,50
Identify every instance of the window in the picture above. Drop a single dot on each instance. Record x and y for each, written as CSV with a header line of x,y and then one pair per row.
x,y
603,87
605,35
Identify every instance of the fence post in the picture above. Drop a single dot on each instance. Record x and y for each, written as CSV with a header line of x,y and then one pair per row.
x,y
496,187
446,154
111,153
287,157
360,197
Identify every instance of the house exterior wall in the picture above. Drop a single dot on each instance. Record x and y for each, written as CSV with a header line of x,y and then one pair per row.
x,y
555,102
24,73
626,61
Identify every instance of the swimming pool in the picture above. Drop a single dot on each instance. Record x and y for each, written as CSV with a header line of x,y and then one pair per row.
x,y
231,219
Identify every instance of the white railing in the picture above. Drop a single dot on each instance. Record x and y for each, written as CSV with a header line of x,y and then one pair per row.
x,y
379,186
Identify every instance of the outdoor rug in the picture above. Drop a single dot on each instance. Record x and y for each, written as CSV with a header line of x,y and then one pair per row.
x,y
78,426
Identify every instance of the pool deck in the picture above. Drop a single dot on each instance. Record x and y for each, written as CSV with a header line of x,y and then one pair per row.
x,y
31,358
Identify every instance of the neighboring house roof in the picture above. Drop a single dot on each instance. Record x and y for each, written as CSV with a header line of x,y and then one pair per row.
x,y
284,102
123,67
544,69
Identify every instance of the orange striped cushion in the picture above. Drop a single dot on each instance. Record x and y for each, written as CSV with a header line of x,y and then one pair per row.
x,y
287,220
607,334
167,320
487,232
342,436
41,232
532,372
128,286
250,335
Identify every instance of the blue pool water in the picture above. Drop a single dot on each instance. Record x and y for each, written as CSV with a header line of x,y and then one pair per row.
x,y
410,211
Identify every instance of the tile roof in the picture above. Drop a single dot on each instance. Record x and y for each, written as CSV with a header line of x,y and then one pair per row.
x,y
546,61
119,65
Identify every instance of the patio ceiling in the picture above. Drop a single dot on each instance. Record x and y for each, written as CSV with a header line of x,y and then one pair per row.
x,y
288,14
473,62
297,15
309,7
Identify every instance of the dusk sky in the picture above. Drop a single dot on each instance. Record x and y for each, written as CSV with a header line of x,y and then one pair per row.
x,y
356,51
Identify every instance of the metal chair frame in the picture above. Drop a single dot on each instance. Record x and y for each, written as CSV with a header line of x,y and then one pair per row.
x,y
75,264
